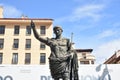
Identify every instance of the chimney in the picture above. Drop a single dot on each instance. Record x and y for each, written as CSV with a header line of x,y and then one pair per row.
x,y
1,12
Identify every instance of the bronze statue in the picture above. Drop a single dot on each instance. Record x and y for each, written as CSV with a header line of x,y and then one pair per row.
x,y
62,60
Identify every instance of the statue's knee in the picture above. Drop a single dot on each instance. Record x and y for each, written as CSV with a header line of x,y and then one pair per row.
x,y
66,76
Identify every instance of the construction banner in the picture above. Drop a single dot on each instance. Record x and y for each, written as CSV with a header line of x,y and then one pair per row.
x,y
42,72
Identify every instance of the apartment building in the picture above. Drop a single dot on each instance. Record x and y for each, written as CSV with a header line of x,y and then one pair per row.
x,y
18,44
85,56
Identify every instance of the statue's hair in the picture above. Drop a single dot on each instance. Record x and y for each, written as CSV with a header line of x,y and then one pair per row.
x,y
57,27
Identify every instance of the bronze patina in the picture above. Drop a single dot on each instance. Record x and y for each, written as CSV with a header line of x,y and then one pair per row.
x,y
63,59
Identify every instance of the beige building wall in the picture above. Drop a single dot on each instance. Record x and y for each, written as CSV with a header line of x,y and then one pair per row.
x,y
9,37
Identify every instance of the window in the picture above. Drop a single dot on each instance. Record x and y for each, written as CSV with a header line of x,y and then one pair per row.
x,y
1,58
16,29
28,43
92,62
84,55
2,29
16,43
42,45
84,62
28,30
15,58
27,58
43,30
1,43
42,58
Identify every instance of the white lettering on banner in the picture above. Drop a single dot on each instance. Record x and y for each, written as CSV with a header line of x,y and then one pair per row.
x,y
6,78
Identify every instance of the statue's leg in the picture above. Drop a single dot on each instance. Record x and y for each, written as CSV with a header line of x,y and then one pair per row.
x,y
66,76
56,78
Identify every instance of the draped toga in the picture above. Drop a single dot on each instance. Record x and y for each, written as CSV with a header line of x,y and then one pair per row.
x,y
60,57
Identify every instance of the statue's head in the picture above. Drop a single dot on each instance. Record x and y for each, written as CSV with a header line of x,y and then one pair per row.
x,y
57,28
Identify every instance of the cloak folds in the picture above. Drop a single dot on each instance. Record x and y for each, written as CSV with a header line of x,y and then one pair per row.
x,y
58,66
74,67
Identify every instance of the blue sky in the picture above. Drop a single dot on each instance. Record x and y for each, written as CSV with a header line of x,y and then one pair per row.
x,y
95,24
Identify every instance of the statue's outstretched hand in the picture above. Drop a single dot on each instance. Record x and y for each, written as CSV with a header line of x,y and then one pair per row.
x,y
32,24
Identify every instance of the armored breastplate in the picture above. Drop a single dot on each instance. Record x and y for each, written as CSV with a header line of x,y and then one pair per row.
x,y
60,47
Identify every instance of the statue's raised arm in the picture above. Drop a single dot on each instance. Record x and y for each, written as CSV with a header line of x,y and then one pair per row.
x,y
37,36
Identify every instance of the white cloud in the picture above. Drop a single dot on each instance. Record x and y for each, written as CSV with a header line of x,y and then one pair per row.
x,y
88,11
106,50
107,33
11,11
91,12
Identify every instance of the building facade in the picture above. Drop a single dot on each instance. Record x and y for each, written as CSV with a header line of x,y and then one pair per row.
x,y
18,44
85,56
114,59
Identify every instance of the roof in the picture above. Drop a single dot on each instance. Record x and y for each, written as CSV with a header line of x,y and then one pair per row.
x,y
84,50
26,19
113,59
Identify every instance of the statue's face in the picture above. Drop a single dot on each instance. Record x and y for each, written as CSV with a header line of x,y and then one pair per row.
x,y
58,32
